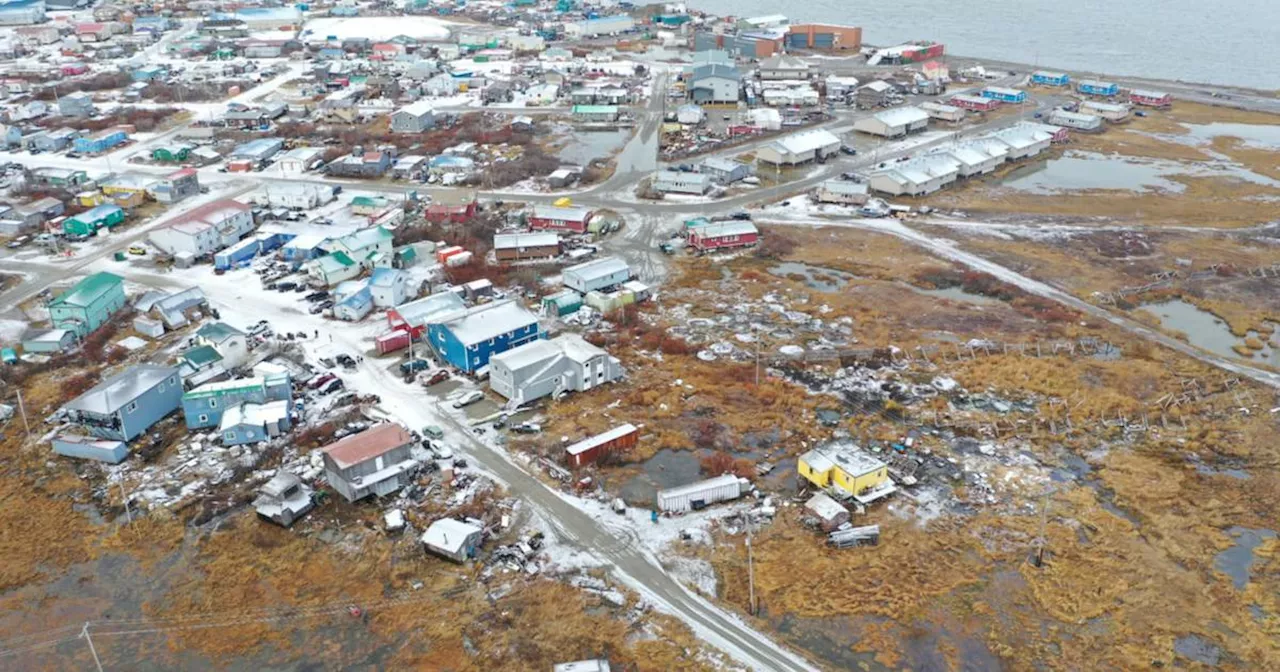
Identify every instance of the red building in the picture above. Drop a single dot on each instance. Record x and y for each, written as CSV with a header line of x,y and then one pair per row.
x,y
560,219
588,450
723,235
455,213
965,101
1158,99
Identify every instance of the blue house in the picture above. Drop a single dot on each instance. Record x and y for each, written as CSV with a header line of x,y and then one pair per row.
x,y
128,403
1004,95
1093,87
354,305
1046,78
251,423
205,405
468,338
247,249
100,142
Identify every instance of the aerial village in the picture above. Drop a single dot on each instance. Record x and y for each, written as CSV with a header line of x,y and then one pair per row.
x,y
579,335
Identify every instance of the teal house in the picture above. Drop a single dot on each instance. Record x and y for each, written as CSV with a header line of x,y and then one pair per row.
x,y
89,304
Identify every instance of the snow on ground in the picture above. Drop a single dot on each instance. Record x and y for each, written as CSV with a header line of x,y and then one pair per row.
x,y
376,28
693,572
11,330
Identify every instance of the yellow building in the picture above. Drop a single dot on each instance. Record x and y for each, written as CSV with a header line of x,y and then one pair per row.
x,y
846,470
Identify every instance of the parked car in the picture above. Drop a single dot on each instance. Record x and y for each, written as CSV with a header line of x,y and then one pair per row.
x,y
468,399
286,286
317,296
18,242
433,431
436,377
137,250
262,328
347,361
320,379
851,151
414,366
527,428
318,308
331,386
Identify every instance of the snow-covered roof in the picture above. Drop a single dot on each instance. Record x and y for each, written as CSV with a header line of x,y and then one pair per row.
x,y
577,348
721,163
532,354
844,187
730,228
482,323
114,393
693,488
506,241
1020,137
593,441
254,414
556,213
808,141
417,108
825,507
902,116
599,268
417,313
449,535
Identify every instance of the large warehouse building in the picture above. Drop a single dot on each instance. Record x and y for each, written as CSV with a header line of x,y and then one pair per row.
x,y
21,12
824,36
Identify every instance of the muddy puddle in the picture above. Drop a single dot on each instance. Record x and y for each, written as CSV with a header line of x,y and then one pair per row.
x,y
814,277
1208,332
1237,561
666,469
1078,171
585,146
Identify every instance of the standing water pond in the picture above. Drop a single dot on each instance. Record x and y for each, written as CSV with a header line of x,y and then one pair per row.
x,y
1208,332
1077,171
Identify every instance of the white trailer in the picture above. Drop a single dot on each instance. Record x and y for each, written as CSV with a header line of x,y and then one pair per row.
x,y
702,494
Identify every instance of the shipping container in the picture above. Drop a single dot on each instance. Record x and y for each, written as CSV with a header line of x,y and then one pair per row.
x,y
462,258
702,494
392,342
445,252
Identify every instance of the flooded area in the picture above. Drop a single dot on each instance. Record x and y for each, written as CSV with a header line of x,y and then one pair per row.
x,y
1209,332
583,147
1259,136
1078,171
814,277
1237,561
666,469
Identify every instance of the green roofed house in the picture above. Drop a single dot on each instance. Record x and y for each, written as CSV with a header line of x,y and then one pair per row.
x,y
561,303
595,113
89,304
88,222
369,205
331,269
171,153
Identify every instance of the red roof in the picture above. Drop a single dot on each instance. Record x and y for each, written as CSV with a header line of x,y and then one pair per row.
x,y
90,28
185,172
368,444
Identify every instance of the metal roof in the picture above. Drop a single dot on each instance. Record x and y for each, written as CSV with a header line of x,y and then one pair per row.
x,y
530,355
506,241
119,390
598,268
720,229
254,414
700,486
491,320
367,445
417,313
218,331
417,108
902,116
556,213
844,187
809,141
89,290
605,437
448,534
222,387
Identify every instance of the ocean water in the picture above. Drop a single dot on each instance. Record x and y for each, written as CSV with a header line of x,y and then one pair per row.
x,y
1215,41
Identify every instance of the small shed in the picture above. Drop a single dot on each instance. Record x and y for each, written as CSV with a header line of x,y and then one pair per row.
x,y
701,494
587,451
452,539
830,513
562,303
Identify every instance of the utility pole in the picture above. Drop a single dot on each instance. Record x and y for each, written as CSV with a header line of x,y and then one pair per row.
x,y
125,497
22,408
750,566
1037,559
84,632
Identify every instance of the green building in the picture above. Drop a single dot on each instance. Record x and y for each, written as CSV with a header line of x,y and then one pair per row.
x,y
89,304
171,153
88,222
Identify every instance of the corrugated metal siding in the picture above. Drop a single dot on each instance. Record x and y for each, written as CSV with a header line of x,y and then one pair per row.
x,y
797,40
824,40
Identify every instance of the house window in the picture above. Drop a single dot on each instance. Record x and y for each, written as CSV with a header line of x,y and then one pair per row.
x,y
213,403
133,406
231,436
203,418
161,388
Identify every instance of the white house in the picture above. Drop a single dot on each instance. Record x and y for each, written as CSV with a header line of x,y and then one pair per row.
x,y
943,112
893,123
802,147
389,287
206,229
679,182
1088,123
298,195
298,161
1022,141
977,157
841,192
545,368
917,177
230,342
782,66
